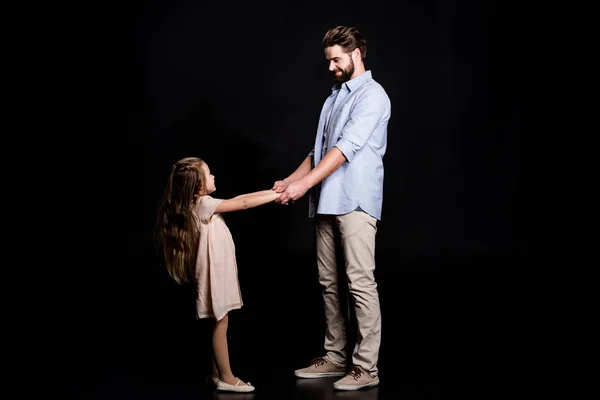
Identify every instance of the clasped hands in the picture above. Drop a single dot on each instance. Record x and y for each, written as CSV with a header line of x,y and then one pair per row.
x,y
290,191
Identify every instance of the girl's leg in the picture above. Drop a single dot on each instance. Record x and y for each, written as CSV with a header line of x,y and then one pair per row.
x,y
215,371
221,352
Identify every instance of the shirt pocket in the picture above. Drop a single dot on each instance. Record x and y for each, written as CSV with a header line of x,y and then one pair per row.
x,y
341,118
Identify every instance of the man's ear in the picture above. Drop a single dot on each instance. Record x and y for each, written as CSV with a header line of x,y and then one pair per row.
x,y
356,54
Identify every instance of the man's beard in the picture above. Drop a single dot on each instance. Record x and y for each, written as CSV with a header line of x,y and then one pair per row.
x,y
346,74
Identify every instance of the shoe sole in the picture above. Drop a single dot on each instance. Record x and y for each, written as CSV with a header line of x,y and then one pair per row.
x,y
224,387
354,387
235,390
318,374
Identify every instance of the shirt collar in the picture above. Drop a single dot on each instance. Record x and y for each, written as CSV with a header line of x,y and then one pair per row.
x,y
354,82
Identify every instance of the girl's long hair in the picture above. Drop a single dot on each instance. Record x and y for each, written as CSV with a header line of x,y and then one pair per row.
x,y
177,224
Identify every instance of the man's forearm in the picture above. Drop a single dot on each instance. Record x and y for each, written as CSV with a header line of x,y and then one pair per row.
x,y
301,171
327,166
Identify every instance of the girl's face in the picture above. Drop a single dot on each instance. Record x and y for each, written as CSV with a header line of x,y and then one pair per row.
x,y
209,184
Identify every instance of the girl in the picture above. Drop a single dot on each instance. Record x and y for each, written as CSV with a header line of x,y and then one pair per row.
x,y
197,247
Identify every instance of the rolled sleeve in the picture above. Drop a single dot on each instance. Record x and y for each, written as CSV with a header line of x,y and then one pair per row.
x,y
347,148
368,113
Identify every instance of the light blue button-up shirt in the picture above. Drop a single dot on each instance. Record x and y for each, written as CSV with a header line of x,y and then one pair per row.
x,y
360,111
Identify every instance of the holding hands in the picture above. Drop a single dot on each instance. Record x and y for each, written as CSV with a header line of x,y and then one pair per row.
x,y
289,191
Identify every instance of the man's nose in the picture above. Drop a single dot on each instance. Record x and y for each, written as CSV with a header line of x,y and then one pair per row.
x,y
331,66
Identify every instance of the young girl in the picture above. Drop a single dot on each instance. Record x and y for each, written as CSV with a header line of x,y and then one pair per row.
x,y
197,247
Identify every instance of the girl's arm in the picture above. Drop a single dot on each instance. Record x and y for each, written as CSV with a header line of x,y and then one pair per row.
x,y
245,201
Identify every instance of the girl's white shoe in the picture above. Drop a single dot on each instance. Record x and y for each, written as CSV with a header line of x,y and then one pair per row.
x,y
234,388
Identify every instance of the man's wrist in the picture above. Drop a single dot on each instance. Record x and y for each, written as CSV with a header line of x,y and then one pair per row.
x,y
305,182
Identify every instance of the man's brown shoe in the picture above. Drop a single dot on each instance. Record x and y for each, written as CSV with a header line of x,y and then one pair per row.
x,y
356,379
320,368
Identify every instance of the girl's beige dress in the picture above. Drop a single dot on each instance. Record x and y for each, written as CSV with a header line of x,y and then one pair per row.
x,y
216,267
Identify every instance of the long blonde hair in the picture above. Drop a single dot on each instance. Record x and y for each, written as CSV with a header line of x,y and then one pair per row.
x,y
177,225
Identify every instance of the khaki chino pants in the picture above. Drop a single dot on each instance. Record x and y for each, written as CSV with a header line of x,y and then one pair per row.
x,y
355,236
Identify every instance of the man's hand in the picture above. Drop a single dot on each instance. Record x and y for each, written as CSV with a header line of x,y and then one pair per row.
x,y
279,186
293,192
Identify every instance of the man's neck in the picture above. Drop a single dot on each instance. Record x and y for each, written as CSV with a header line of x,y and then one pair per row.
x,y
358,72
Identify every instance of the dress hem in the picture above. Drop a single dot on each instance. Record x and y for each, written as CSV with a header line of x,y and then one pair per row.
x,y
210,314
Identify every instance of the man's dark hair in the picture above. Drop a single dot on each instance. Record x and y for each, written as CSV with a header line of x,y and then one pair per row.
x,y
348,38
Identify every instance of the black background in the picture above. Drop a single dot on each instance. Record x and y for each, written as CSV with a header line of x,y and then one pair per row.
x,y
241,85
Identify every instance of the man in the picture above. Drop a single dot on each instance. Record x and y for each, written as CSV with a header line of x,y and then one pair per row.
x,y
344,172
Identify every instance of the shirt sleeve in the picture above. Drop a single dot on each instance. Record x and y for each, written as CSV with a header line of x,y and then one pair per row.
x,y
368,113
206,208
